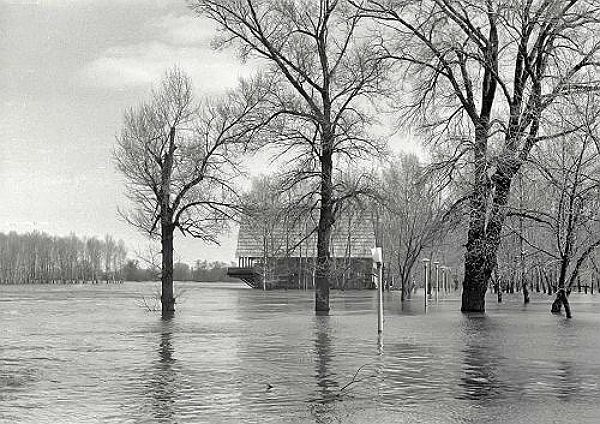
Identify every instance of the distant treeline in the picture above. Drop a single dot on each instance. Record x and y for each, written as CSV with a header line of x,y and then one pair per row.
x,y
200,271
37,257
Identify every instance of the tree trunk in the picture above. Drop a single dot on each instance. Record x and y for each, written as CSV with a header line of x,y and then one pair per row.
x,y
167,298
561,300
476,278
561,295
483,240
525,292
429,279
474,283
326,220
497,287
402,290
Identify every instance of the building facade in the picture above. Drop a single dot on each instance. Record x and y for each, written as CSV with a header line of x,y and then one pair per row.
x,y
283,256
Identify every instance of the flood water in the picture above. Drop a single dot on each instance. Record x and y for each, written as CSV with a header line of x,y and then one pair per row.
x,y
91,354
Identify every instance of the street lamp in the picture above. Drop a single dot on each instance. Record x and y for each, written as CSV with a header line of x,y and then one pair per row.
x,y
426,269
377,256
437,279
443,269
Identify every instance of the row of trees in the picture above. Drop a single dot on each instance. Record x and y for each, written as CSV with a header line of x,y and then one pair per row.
x,y
417,219
484,82
554,221
490,81
549,240
552,231
37,257
201,270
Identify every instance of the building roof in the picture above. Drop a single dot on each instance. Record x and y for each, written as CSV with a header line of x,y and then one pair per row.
x,y
352,236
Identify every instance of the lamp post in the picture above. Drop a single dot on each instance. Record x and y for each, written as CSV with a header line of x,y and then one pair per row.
x,y
445,282
377,256
443,270
426,269
437,279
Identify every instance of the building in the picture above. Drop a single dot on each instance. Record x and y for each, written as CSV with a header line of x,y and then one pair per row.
x,y
281,256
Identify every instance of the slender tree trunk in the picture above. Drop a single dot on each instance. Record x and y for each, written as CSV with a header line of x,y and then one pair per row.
x,y
324,233
561,294
525,291
167,298
402,290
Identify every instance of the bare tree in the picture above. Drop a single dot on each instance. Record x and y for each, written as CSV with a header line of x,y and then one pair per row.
x,y
272,215
93,258
110,248
323,70
119,259
483,78
37,257
567,217
416,215
178,159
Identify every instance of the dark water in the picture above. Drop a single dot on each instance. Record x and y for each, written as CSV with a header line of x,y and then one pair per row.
x,y
89,354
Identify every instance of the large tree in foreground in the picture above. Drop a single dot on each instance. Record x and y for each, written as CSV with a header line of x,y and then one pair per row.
x,y
322,72
483,78
177,157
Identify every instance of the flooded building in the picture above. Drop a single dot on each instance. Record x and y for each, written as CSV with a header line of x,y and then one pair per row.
x,y
282,255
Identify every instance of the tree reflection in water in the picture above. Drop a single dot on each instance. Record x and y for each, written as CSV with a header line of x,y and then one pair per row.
x,y
163,384
568,384
480,361
322,407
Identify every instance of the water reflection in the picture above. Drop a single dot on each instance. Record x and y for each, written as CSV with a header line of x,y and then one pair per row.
x,y
565,381
163,383
409,307
480,361
322,407
568,384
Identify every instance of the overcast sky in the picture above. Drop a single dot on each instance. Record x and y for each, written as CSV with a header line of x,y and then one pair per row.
x,y
68,70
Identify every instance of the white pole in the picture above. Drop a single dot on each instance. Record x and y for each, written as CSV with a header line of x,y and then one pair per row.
x,y
426,262
437,279
446,279
377,256
380,299
443,268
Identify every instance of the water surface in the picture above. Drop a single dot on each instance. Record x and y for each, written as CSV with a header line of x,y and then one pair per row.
x,y
91,354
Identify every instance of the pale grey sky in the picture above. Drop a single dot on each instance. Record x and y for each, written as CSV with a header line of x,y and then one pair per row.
x,y
68,70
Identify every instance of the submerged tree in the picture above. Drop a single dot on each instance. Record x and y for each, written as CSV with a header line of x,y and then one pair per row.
x,y
483,78
567,215
322,73
178,159
415,215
